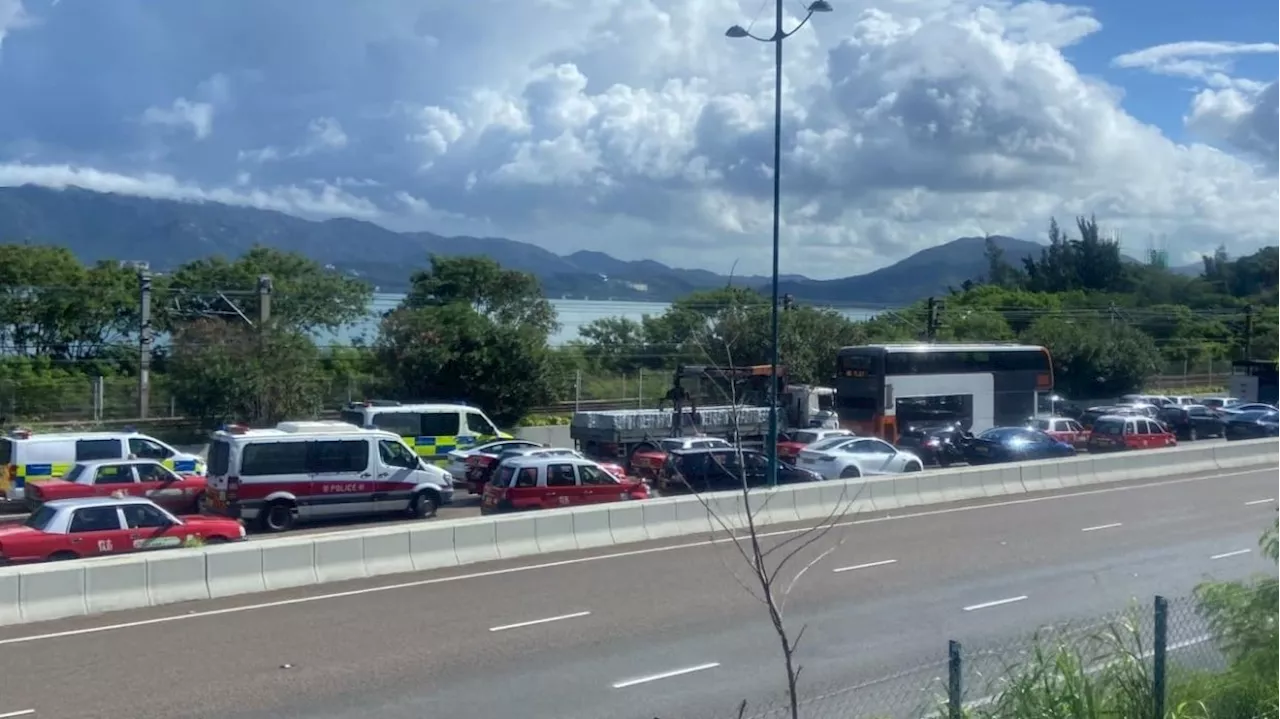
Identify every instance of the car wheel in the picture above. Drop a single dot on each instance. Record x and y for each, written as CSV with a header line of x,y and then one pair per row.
x,y
1192,435
63,556
211,541
850,473
424,505
277,517
913,467
202,503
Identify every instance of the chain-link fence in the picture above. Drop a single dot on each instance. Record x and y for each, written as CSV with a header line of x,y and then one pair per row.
x,y
1166,660
82,398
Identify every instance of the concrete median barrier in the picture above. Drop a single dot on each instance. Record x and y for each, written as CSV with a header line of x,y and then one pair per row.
x,y
176,576
431,547
114,584
553,531
69,589
231,570
387,551
475,540
52,591
339,557
289,564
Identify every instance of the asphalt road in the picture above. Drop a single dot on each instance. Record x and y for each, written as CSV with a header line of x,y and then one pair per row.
x,y
661,629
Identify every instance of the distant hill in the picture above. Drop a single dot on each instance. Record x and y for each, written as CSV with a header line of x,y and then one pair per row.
x,y
928,272
168,233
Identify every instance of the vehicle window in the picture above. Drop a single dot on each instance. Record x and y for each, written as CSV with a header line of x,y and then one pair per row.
x,y
113,475
503,477
74,474
830,443
528,477
1039,424
141,516
1074,426
395,454
95,519
155,473
88,450
350,416
405,424
143,448
41,518
560,475
754,460
219,459
336,456
268,458
6,452
1108,427
439,424
806,437
594,475
478,424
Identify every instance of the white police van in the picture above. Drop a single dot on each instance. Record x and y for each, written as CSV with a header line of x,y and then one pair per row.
x,y
319,470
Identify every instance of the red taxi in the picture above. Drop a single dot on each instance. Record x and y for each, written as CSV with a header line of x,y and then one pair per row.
x,y
1113,433
1063,429
133,477
789,448
98,526
649,462
547,482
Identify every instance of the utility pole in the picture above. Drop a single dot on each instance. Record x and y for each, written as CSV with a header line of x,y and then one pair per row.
x,y
931,327
144,343
265,289
1248,332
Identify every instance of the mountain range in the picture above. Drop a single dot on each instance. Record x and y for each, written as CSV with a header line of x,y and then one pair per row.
x,y
167,233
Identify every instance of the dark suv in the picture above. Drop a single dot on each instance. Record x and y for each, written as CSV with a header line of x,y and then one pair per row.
x,y
714,470
936,443
1191,421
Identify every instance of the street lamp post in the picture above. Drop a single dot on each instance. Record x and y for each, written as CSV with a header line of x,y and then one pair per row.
x,y
737,31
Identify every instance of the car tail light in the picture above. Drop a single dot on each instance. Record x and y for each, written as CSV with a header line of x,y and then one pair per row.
x,y
233,488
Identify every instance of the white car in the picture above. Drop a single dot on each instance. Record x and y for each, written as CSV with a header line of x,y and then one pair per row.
x,y
849,457
457,467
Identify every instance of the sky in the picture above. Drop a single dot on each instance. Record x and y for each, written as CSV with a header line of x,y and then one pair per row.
x,y
636,128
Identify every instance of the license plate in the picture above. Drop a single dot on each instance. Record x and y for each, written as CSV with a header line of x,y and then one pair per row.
x,y
980,450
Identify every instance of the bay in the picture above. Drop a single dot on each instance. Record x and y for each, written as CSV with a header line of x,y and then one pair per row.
x,y
573,315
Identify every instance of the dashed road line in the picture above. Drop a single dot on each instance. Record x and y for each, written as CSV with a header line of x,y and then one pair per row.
x,y
1236,553
532,622
868,565
1268,500
20,713
996,603
665,675
1103,526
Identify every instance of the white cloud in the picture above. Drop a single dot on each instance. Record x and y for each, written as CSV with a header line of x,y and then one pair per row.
x,y
636,128
1239,113
13,16
183,113
324,201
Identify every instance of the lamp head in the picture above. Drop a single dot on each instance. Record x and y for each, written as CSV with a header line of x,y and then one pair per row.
x,y
736,31
820,6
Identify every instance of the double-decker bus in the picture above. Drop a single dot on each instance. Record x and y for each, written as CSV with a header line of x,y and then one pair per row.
x,y
882,388
1254,381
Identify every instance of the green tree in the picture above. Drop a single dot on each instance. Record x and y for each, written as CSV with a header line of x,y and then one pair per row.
x,y
1087,263
1094,359
223,372
468,329
618,344
306,296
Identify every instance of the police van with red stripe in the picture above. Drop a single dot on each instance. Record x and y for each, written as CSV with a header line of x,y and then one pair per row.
x,y
319,470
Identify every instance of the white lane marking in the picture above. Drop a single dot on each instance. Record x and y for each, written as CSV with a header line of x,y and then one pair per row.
x,y
598,557
22,713
1236,553
665,675
533,622
996,603
1102,526
868,565
1268,500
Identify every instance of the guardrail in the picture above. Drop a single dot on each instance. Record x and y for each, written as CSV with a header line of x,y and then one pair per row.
x,y
67,589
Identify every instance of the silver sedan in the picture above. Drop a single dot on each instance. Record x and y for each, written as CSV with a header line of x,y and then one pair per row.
x,y
849,457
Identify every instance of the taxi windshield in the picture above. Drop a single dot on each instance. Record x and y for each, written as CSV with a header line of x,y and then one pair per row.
x,y
41,518
74,473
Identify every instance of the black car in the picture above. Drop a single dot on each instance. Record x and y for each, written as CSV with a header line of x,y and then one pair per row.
x,y
1191,421
717,469
1252,425
1015,444
941,444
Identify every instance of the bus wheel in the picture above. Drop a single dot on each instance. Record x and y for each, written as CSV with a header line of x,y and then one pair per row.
x,y
850,472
